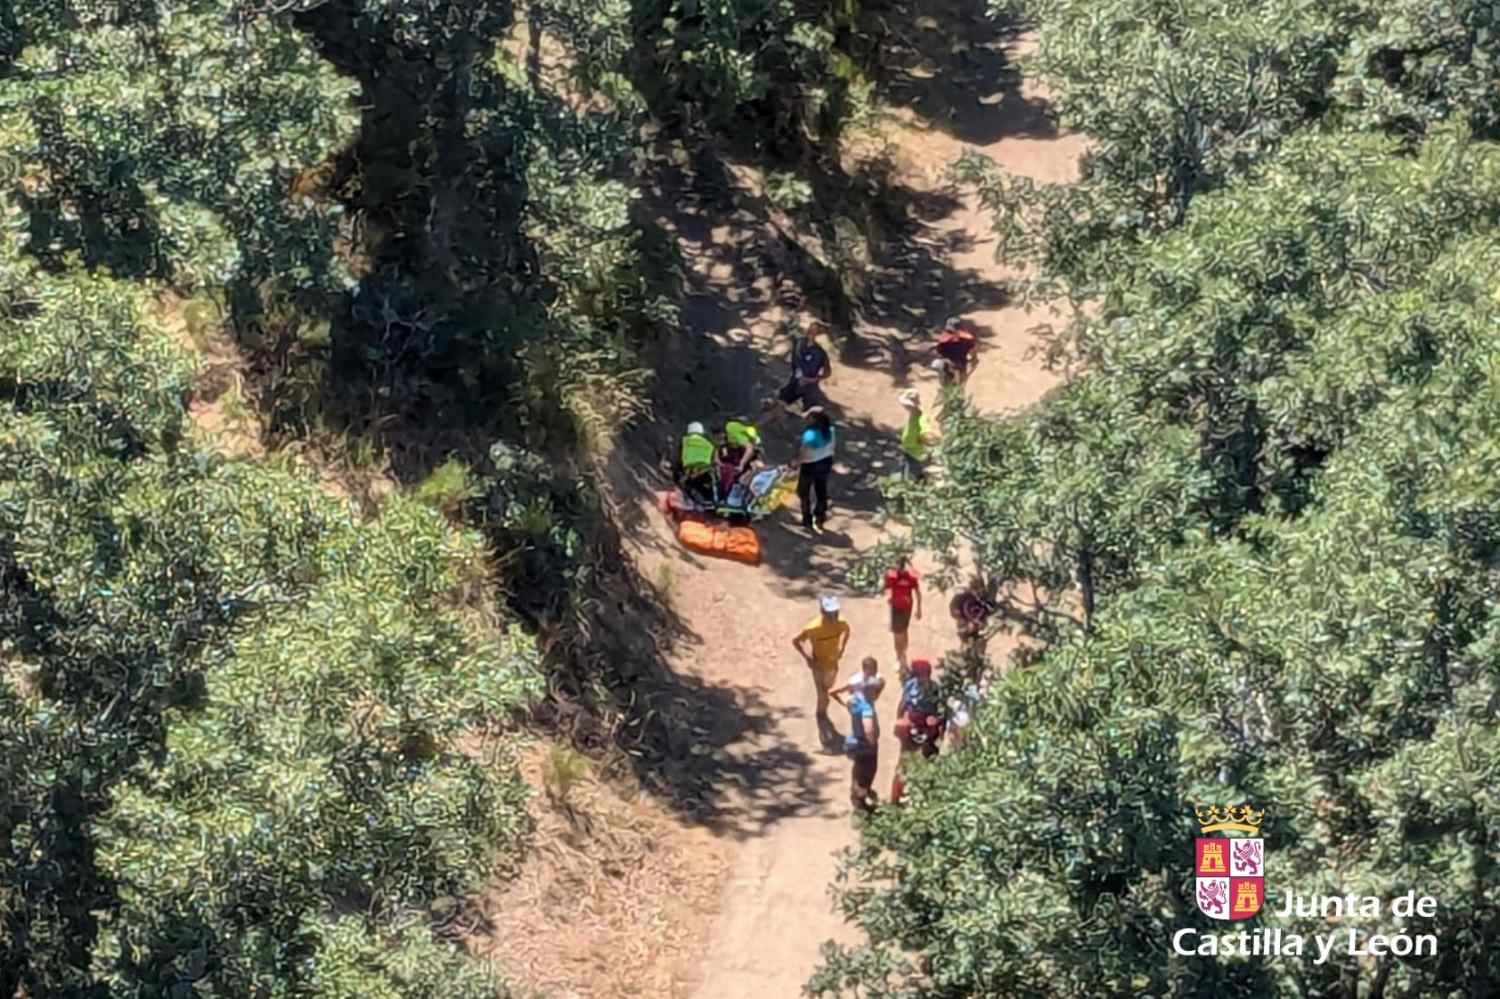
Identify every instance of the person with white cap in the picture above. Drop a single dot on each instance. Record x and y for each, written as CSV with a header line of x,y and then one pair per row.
x,y
695,465
914,437
821,645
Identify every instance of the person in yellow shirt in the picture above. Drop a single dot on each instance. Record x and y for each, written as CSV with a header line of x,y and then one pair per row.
x,y
821,645
914,437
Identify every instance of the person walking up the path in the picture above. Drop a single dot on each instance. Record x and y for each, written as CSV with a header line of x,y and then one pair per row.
x,y
904,592
815,467
914,436
821,645
863,741
918,726
958,351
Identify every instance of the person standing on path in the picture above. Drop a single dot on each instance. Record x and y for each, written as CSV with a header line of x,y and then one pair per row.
x,y
918,726
863,741
904,590
914,436
821,645
868,668
815,467
810,366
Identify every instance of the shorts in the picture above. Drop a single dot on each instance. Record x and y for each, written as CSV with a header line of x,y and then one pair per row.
x,y
912,469
866,763
795,391
900,619
826,677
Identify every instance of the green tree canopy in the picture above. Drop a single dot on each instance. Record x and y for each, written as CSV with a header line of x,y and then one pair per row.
x,y
231,712
1273,488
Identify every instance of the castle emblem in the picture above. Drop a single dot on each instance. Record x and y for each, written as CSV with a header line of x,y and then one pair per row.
x,y
1231,866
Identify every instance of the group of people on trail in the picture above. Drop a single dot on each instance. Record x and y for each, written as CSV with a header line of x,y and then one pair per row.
x,y
817,441
710,464
922,720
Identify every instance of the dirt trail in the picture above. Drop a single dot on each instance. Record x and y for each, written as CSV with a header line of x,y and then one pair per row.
x,y
783,805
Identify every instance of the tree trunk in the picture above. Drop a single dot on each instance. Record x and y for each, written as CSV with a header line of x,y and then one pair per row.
x,y
1086,587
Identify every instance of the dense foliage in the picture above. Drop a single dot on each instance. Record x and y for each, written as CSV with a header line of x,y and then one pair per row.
x,y
1264,517
773,75
231,714
242,727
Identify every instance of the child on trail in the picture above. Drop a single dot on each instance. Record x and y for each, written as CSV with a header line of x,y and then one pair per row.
x,y
863,741
868,668
904,591
958,347
815,467
914,437
918,723
821,645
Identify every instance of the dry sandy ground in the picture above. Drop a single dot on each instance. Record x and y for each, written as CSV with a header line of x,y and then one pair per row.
x,y
729,899
788,816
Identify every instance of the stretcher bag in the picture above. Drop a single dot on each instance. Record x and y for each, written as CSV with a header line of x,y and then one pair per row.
x,y
739,544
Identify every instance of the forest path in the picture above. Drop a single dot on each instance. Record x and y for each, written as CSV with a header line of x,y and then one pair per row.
x,y
776,798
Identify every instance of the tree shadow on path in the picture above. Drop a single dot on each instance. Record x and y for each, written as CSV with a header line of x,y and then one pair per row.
x,y
954,68
723,756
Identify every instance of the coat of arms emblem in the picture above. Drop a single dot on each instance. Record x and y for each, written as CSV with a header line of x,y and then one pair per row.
x,y
1231,869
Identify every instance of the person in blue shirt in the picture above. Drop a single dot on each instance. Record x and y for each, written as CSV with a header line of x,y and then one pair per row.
x,y
863,741
809,368
919,726
815,467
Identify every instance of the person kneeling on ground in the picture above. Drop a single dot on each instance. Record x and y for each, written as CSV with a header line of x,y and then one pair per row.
x,y
695,465
739,450
863,741
918,724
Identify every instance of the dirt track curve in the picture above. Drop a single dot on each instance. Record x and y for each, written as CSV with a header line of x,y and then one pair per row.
x,y
783,808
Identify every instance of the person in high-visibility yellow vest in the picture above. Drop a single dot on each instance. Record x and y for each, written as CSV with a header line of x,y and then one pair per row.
x,y
696,461
914,437
739,448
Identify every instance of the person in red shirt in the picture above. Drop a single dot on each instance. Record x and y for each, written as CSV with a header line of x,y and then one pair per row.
x,y
958,351
905,594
